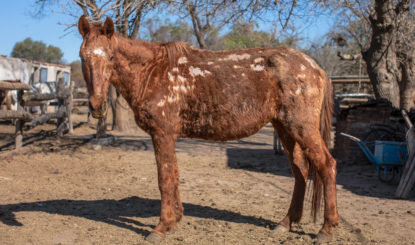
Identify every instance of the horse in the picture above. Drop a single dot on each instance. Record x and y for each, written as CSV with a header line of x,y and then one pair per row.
x,y
177,91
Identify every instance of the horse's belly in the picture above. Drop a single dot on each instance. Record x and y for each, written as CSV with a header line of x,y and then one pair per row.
x,y
225,127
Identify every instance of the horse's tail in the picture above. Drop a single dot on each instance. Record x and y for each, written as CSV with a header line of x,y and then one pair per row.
x,y
325,127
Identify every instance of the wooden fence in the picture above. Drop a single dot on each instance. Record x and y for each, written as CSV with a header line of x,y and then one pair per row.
x,y
25,100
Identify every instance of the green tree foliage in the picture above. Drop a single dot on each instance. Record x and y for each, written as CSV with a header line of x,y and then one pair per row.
x,y
169,32
76,74
37,50
243,35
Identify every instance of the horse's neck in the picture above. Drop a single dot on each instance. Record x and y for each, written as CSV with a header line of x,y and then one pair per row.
x,y
134,50
131,73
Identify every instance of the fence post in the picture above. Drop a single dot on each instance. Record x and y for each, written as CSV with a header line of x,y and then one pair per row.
x,y
69,107
19,122
61,103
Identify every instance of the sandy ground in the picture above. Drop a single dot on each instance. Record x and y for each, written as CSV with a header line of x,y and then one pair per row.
x,y
62,191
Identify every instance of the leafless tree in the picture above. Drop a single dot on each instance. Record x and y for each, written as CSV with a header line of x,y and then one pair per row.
x,y
384,31
209,16
325,52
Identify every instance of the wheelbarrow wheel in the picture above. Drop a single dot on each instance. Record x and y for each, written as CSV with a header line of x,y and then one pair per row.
x,y
388,175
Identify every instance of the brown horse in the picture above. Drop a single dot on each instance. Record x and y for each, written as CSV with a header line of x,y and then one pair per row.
x,y
178,91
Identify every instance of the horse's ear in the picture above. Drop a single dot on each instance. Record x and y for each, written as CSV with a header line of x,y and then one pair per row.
x,y
109,27
83,26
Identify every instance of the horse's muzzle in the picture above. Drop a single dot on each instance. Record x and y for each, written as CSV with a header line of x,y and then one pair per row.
x,y
100,112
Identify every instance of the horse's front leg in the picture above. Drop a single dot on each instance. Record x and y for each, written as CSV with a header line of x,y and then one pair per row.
x,y
168,180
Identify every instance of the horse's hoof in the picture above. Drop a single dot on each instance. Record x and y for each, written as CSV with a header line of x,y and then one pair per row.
x,y
154,238
281,229
323,238
173,230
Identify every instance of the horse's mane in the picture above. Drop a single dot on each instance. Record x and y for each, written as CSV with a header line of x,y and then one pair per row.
x,y
170,50
175,50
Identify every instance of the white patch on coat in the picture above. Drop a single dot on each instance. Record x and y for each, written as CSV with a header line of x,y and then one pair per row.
x,y
243,74
181,79
258,60
237,57
311,91
182,60
172,99
196,71
302,76
176,88
183,89
257,67
302,67
161,103
298,91
99,52
163,114
210,63
236,67
282,113
171,78
175,69
310,61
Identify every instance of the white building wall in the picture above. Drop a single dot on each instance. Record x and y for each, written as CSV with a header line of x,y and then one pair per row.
x,y
15,69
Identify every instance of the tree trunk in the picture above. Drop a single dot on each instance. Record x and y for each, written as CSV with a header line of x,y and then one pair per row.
x,y
381,58
407,84
198,28
120,111
390,75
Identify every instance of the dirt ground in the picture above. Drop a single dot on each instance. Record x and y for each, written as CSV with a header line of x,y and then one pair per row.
x,y
62,191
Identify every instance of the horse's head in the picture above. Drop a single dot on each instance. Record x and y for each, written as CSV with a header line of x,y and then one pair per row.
x,y
96,55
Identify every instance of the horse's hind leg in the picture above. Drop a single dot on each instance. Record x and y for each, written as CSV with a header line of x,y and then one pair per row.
x,y
168,179
317,153
300,169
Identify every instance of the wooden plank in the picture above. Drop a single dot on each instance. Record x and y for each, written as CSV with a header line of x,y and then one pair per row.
x,y
21,114
408,174
36,103
45,117
80,100
407,120
14,85
39,97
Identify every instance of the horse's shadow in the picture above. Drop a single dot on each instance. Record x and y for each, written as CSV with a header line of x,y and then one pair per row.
x,y
116,212
359,179
258,160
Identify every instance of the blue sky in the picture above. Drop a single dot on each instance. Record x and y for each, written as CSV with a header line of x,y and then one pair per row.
x,y
17,24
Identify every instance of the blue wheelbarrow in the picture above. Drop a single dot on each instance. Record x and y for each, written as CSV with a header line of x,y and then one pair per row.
x,y
389,157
